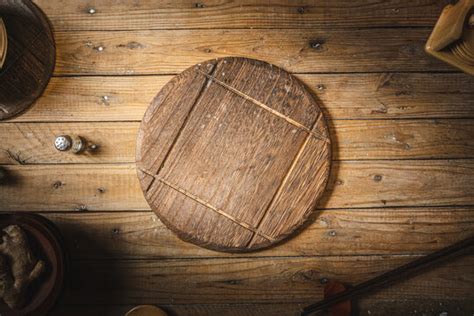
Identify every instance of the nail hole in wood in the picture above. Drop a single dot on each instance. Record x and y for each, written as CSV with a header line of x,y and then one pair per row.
x,y
81,208
93,147
57,184
317,45
105,100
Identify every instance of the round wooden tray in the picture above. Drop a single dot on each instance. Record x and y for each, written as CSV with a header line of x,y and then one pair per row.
x,y
233,154
47,244
30,57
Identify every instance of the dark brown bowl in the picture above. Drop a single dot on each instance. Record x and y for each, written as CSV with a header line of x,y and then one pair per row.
x,y
46,243
30,57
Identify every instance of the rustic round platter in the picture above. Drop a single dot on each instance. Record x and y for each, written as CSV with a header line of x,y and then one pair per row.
x,y
233,154
47,245
30,57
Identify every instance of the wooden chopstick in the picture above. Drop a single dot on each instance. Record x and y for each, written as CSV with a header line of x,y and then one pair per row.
x,y
393,275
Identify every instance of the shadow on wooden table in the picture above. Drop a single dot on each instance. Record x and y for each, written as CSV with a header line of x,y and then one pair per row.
x,y
91,281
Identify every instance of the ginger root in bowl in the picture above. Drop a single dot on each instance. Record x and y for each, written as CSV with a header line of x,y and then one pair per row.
x,y
18,267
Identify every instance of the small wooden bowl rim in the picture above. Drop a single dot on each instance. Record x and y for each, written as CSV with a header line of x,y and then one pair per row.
x,y
3,43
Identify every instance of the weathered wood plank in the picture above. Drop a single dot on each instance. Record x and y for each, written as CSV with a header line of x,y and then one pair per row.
x,y
252,280
353,184
32,143
394,95
172,51
398,183
120,98
148,14
71,187
344,96
366,306
189,310
402,139
140,235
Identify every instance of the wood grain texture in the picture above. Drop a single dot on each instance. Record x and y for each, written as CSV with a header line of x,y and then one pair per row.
x,y
215,156
71,187
366,306
398,183
358,39
164,120
32,143
343,96
172,51
252,280
147,14
141,235
402,139
30,57
369,184
394,95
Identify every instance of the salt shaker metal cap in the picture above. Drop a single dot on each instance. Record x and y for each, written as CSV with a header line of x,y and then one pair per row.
x,y
63,142
76,144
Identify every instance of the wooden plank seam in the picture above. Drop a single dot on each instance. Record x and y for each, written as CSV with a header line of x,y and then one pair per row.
x,y
285,179
198,98
257,231
310,132
267,108
207,204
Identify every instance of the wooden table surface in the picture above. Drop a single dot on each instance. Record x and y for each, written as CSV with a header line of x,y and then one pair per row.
x,y
402,182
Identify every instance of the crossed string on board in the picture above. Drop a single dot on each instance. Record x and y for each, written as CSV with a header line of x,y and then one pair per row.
x,y
256,230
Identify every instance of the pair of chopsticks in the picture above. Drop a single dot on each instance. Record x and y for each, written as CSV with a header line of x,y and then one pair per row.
x,y
387,278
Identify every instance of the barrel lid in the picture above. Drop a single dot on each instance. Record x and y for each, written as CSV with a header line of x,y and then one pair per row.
x,y
233,154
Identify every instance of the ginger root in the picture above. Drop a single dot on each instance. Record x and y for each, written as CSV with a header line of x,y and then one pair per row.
x,y
18,267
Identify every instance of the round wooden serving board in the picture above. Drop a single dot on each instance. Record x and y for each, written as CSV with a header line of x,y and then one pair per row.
x,y
233,154
30,56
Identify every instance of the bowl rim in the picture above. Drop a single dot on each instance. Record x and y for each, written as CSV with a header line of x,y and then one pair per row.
x,y
3,42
